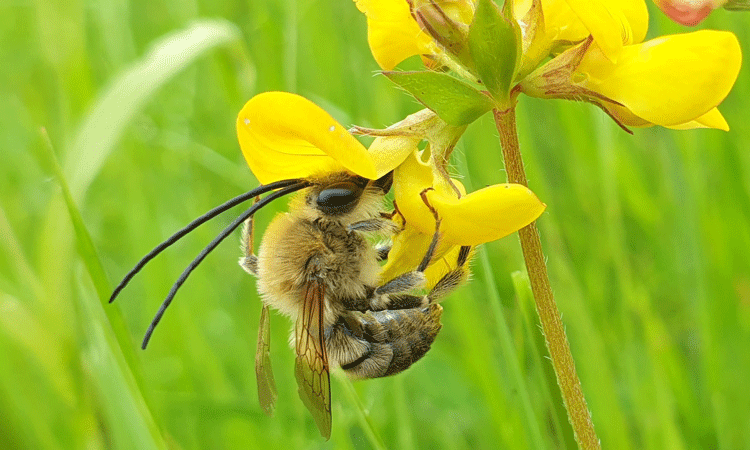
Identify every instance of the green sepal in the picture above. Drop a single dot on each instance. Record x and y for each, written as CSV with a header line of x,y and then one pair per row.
x,y
494,45
453,100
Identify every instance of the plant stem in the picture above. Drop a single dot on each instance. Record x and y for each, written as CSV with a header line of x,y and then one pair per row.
x,y
549,316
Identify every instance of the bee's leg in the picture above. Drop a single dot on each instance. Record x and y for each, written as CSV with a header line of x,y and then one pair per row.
x,y
248,261
382,250
442,288
402,283
452,279
370,302
380,343
415,278
373,225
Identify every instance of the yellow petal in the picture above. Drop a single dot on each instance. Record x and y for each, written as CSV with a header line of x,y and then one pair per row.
x,y
284,136
612,23
392,33
712,119
636,14
409,180
560,22
487,214
667,81
388,152
604,27
482,216
440,266
408,249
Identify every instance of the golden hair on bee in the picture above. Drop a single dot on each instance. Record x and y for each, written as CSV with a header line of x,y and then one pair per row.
x,y
308,241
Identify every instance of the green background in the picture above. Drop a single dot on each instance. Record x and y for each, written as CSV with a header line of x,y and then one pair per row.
x,y
647,239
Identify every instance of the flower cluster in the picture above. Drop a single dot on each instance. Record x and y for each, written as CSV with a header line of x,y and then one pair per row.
x,y
583,50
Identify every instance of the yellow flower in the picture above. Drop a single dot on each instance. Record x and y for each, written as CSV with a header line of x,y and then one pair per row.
x,y
671,80
482,216
466,219
675,81
285,136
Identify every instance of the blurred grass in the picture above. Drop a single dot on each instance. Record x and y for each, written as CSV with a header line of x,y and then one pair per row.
x,y
647,240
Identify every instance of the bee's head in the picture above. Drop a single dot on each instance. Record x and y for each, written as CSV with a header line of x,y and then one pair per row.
x,y
340,194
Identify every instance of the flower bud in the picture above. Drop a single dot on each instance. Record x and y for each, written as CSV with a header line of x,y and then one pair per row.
x,y
447,23
688,12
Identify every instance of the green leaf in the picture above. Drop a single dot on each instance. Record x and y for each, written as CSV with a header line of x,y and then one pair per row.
x,y
456,102
493,41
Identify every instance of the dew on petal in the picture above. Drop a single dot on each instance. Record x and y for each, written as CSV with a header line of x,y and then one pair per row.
x,y
247,121
332,128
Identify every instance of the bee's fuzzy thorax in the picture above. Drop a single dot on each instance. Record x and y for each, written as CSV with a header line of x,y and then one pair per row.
x,y
306,242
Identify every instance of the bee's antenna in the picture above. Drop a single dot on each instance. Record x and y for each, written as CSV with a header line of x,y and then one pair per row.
x,y
197,222
290,187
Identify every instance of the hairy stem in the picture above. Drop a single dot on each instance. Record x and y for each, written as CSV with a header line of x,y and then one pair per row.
x,y
549,315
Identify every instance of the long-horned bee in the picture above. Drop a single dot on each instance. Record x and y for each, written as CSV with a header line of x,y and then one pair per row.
x,y
316,266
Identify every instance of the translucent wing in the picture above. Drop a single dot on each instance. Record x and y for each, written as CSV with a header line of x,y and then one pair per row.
x,y
263,374
311,367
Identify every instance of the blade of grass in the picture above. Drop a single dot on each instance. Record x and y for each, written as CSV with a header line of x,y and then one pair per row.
x,y
116,350
129,93
233,173
364,417
14,252
30,401
127,417
404,433
85,244
37,342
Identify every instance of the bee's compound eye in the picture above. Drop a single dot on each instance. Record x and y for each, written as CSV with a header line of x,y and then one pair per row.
x,y
339,198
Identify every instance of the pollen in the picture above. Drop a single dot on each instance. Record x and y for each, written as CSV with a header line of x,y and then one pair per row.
x,y
247,121
332,128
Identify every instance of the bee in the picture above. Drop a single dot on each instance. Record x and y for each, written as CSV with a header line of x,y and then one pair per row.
x,y
316,266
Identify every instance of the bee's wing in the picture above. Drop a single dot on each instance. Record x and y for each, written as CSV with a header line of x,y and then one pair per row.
x,y
263,374
311,367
